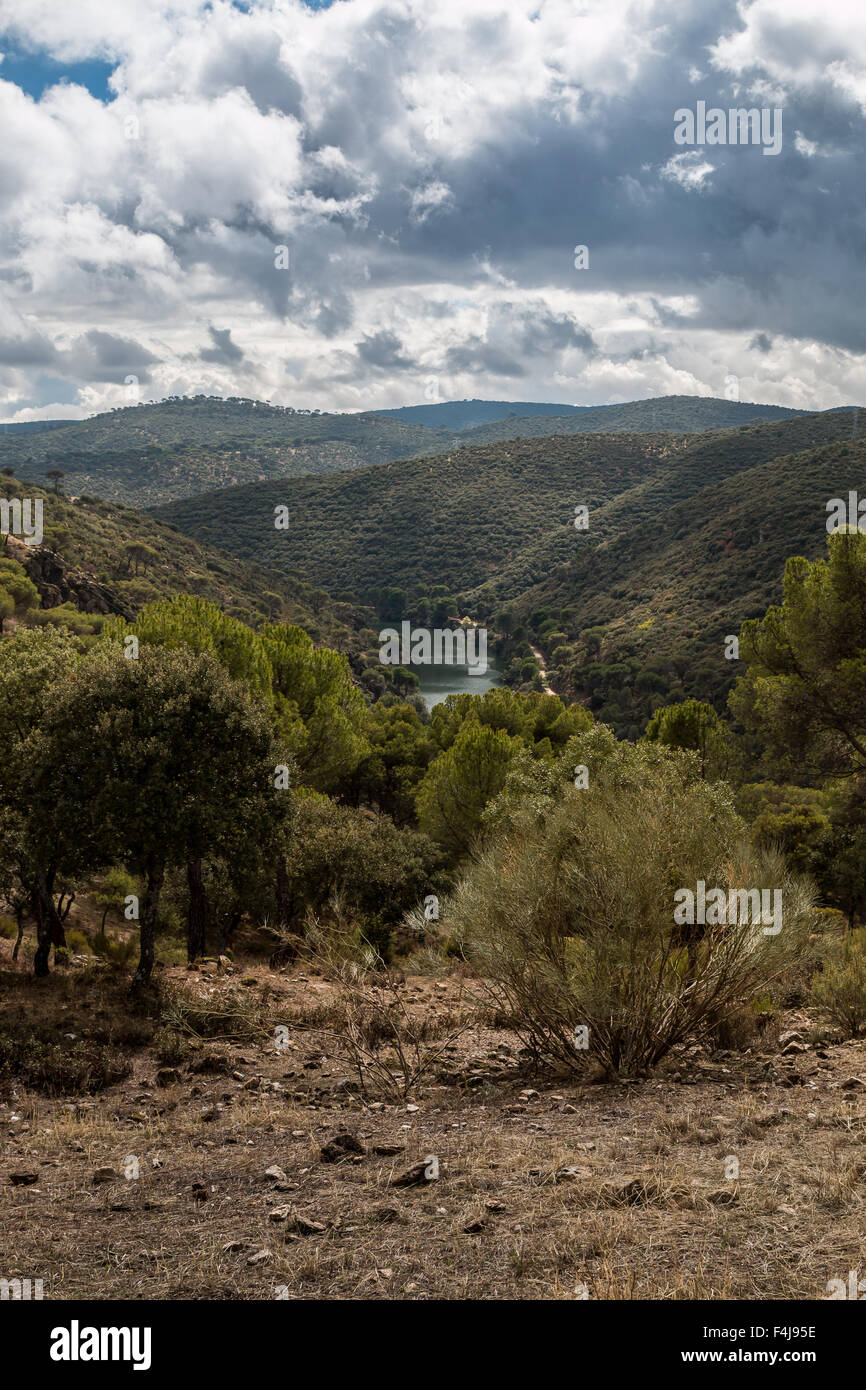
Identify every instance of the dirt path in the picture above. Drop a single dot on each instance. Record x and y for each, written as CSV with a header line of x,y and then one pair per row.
x,y
540,659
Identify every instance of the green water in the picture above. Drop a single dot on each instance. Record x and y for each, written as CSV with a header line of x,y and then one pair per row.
x,y
438,682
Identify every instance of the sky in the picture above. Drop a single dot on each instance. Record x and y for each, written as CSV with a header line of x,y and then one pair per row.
x,y
374,203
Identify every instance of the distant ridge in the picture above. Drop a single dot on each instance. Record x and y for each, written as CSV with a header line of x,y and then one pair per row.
x,y
33,426
465,415
659,412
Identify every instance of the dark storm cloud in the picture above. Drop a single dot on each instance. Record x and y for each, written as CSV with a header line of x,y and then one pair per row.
x,y
222,349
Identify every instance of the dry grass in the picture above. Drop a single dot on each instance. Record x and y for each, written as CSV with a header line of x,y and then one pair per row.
x,y
545,1190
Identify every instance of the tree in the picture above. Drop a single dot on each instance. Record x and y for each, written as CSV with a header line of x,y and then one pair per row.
x,y
693,724
459,784
155,761
805,689
34,853
18,593
319,712
138,553
55,475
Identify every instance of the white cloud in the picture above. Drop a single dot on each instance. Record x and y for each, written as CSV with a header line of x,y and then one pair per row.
x,y
431,168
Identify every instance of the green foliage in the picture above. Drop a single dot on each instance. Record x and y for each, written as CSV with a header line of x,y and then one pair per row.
x,y
570,910
839,990
805,691
460,782
361,863
693,724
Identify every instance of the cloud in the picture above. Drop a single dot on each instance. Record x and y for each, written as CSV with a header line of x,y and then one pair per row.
x,y
430,170
222,349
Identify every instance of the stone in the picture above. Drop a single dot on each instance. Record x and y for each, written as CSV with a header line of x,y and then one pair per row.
x,y
339,1146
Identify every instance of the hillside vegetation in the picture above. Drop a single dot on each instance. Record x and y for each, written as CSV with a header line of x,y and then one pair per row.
x,y
148,454
686,537
98,558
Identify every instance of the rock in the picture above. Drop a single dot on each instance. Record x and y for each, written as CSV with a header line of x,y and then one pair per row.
x,y
723,1197
791,1035
276,1172
853,1083
280,1214
792,1048
59,582
414,1176
637,1192
529,1095
388,1150
261,1257
303,1226
23,1179
339,1146
167,1076
494,1204
212,1062
105,1175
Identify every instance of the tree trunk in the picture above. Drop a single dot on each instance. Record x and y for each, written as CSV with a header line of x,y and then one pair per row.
x,y
48,924
196,916
228,926
291,943
19,918
147,928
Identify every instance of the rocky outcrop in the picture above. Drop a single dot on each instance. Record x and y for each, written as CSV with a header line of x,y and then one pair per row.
x,y
58,582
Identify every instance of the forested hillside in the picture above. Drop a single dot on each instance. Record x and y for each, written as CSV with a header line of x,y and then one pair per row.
x,y
686,537
100,558
149,453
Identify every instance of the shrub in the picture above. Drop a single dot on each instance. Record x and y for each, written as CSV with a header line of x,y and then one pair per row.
x,y
79,942
840,988
569,912
59,1070
115,950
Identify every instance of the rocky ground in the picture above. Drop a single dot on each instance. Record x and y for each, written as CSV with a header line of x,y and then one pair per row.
x,y
252,1168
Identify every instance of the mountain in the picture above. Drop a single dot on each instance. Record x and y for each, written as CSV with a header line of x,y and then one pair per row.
x,y
150,453
454,519
692,414
32,426
687,537
486,422
99,558
465,415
